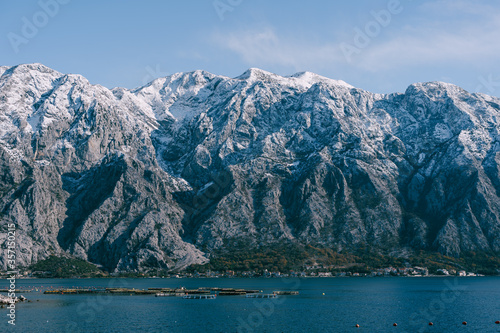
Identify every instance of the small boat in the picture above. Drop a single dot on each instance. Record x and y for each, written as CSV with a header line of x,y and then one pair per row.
x,y
199,296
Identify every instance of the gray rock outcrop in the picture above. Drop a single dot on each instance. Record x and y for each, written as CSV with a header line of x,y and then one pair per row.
x,y
160,176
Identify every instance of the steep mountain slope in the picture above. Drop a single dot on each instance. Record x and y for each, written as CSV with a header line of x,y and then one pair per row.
x,y
162,175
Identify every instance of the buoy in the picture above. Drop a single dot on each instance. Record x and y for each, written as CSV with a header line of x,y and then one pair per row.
x,y
431,323
323,294
357,325
464,323
394,324
497,322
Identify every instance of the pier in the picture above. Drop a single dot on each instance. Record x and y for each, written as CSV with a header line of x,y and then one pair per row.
x,y
282,292
169,292
199,296
261,296
17,291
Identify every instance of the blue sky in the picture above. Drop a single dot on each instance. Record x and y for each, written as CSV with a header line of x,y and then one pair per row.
x,y
378,45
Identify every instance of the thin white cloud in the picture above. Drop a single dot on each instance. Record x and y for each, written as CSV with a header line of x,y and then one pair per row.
x,y
430,49
265,47
434,42
447,32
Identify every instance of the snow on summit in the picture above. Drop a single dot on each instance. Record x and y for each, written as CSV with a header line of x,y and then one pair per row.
x,y
109,175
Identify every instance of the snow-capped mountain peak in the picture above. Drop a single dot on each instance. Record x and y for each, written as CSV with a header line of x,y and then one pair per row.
x,y
162,175
309,78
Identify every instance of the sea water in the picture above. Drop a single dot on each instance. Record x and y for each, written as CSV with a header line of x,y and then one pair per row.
x,y
323,305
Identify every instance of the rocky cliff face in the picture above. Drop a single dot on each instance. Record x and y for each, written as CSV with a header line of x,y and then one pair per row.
x,y
159,176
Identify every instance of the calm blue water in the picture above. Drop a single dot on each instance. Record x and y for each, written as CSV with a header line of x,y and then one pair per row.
x,y
373,303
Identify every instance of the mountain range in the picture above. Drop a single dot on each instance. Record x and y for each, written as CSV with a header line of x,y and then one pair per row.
x,y
161,176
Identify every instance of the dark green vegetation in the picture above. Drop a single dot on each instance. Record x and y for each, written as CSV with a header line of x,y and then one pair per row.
x,y
285,258
60,267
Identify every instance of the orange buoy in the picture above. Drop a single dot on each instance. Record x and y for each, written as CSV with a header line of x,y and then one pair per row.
x,y
394,324
497,322
464,323
431,324
357,325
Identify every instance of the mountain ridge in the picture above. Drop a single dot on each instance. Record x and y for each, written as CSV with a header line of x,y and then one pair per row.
x,y
162,175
